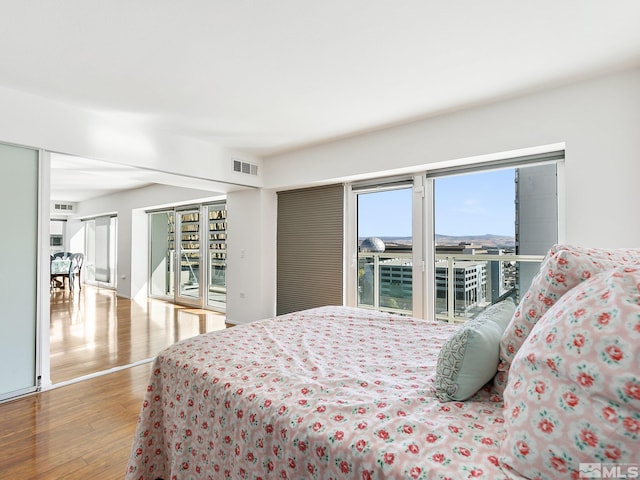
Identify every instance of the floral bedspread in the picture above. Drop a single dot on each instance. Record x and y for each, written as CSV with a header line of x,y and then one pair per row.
x,y
328,393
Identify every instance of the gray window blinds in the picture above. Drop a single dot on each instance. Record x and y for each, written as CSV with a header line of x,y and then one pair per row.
x,y
309,243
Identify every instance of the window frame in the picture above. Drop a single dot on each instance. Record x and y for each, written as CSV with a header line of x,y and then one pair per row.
x,y
423,217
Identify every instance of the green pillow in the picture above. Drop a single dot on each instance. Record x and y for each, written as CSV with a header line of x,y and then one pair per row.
x,y
469,358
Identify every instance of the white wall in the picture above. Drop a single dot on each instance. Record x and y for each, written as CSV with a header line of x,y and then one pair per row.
x,y
251,255
598,120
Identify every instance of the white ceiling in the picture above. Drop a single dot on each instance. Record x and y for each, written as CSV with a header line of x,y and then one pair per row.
x,y
266,77
76,179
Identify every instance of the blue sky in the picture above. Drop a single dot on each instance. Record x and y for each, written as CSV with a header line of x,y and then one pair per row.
x,y
385,214
473,204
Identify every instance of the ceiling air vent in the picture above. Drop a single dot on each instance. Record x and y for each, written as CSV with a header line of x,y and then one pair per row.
x,y
62,207
245,167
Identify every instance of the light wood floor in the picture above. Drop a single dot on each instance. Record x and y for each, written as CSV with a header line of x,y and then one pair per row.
x,y
84,429
94,330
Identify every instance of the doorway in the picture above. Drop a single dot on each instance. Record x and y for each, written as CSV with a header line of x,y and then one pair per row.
x,y
188,257
95,330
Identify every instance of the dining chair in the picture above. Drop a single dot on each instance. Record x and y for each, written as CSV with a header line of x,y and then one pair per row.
x,y
77,259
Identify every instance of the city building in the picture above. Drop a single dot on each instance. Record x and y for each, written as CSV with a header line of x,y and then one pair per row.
x,y
470,286
476,283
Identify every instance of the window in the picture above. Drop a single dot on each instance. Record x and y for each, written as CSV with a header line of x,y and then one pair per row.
x,y
481,216
476,235
385,248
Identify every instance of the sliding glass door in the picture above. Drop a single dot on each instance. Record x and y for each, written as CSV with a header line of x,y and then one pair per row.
x,y
162,254
188,255
217,255
19,283
188,271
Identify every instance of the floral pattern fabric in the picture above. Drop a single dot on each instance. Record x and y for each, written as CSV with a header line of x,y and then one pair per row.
x,y
573,394
329,393
564,267
60,266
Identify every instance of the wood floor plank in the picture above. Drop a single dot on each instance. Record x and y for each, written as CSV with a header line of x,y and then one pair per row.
x,y
84,430
73,432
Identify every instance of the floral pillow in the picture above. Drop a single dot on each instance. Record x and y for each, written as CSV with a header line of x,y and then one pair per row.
x,y
620,255
573,394
563,268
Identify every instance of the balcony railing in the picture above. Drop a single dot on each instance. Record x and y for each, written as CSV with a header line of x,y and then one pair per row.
x,y
385,282
464,284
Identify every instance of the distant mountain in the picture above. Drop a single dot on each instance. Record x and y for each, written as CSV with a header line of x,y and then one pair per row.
x,y
487,240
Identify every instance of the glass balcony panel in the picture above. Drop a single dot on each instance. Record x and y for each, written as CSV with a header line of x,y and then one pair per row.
x,y
477,283
189,273
385,282
366,279
474,283
396,290
218,278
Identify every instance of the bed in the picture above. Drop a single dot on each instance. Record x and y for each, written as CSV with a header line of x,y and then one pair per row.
x,y
536,391
332,392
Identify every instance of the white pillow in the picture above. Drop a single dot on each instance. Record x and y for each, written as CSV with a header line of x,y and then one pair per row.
x,y
469,358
